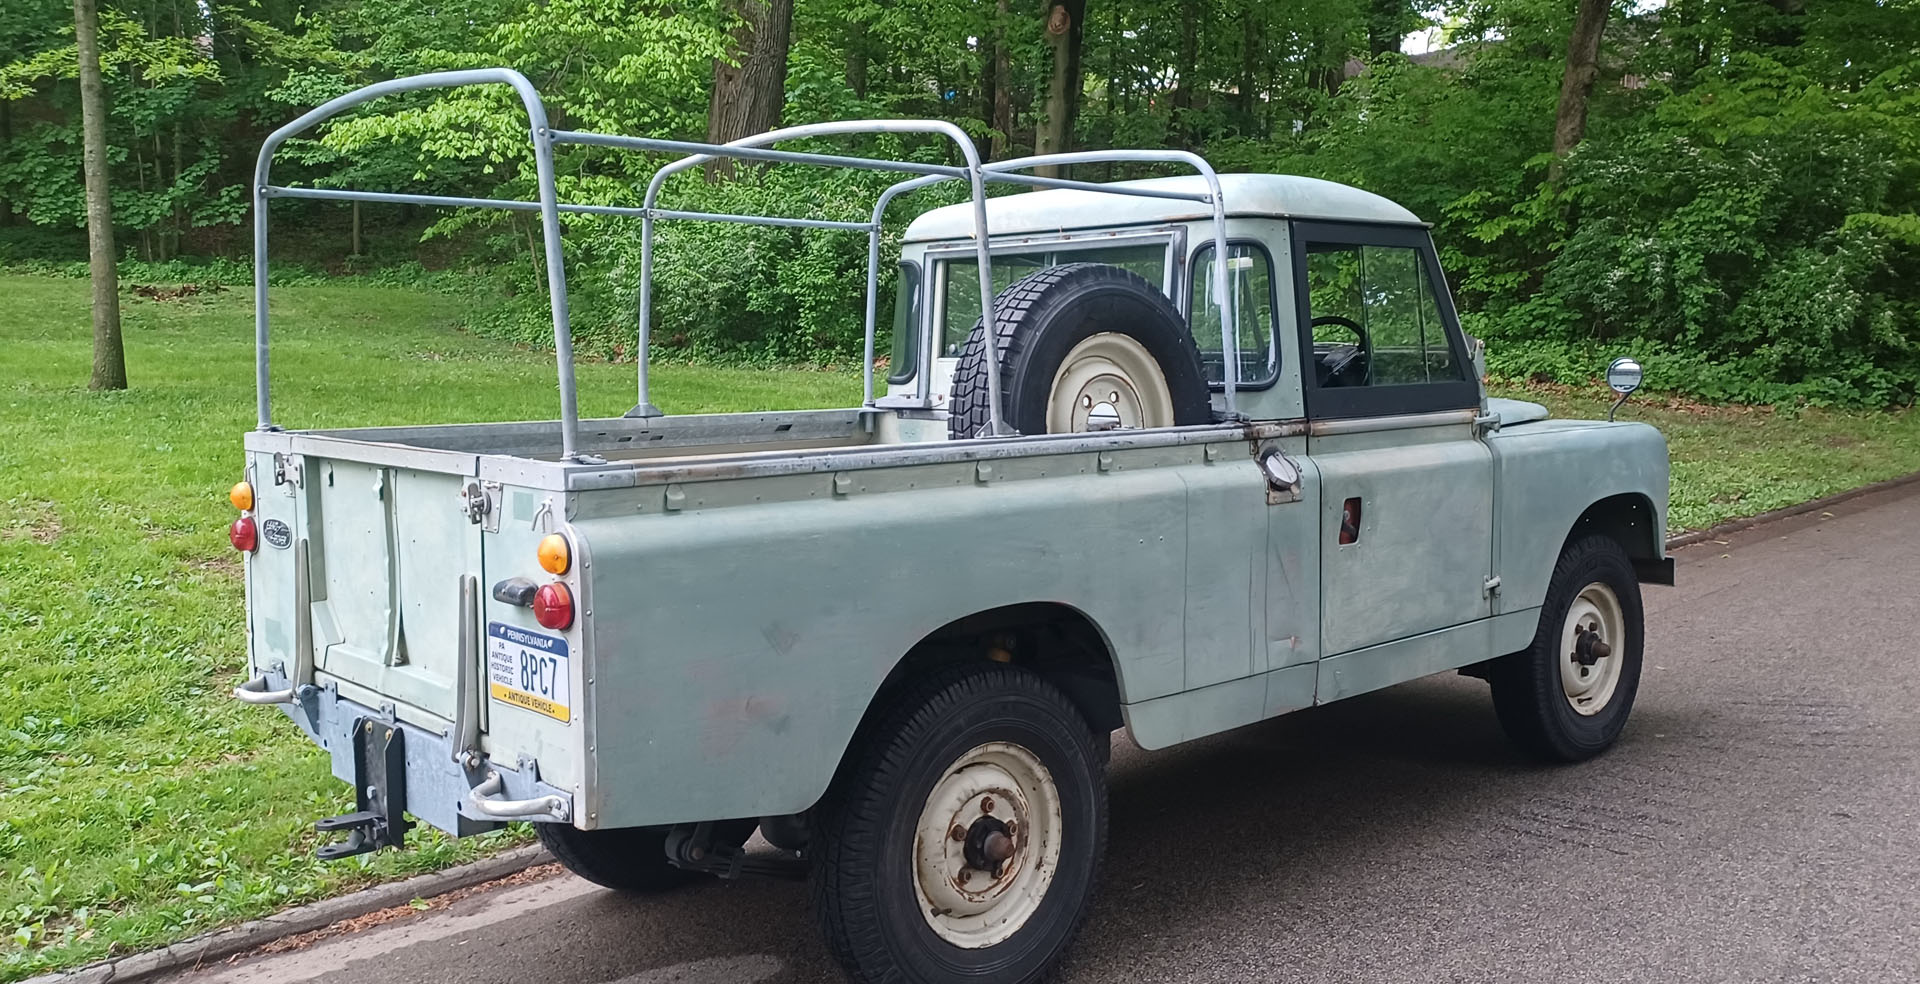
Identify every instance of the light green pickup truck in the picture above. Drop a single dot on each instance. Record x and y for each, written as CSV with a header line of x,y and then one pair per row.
x,y
1173,455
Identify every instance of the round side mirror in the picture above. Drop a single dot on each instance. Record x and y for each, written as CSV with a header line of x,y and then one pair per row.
x,y
1624,375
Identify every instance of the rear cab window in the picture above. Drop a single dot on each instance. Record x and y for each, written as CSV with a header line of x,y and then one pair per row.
x,y
959,281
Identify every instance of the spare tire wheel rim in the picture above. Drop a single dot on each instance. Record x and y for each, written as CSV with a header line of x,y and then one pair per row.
x,y
987,845
1592,642
1108,381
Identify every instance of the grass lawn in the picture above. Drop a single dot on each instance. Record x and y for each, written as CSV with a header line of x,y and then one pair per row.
x,y
138,802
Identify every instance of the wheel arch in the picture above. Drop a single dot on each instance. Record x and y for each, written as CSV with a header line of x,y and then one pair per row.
x,y
1630,519
1056,640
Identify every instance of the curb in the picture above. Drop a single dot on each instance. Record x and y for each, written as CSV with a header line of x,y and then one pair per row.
x,y
1748,522
223,943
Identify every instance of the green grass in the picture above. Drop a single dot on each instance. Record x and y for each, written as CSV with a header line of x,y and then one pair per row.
x,y
1734,461
140,804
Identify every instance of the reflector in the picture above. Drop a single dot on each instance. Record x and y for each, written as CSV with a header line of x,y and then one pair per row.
x,y
243,534
553,606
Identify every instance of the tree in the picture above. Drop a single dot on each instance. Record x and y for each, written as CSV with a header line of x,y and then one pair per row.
x,y
750,82
109,356
1576,86
1063,31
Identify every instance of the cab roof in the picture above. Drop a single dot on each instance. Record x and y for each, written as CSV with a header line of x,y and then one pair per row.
x,y
1251,195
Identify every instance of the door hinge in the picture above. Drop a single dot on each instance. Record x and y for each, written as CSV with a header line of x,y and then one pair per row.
x,y
481,502
289,471
1491,586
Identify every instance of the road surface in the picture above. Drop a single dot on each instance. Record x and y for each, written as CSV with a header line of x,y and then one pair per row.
x,y
1759,821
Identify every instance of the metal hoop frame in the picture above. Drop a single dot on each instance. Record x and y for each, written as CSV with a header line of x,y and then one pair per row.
x,y
755,148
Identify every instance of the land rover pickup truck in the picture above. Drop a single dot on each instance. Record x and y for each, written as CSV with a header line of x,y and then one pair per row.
x,y
1172,455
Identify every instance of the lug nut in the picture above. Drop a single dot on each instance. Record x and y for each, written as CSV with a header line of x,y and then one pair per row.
x,y
958,832
986,805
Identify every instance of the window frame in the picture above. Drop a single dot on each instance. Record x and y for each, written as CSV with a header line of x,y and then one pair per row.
x,y
1191,274
1398,398
909,364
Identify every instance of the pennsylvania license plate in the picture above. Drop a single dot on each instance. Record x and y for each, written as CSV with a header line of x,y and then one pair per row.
x,y
528,669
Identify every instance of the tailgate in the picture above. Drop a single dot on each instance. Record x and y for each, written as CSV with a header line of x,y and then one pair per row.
x,y
386,549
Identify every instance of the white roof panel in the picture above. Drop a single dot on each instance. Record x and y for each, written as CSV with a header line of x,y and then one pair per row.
x,y
1258,195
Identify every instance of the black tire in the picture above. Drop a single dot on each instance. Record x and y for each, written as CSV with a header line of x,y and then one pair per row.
x,y
863,877
1041,317
628,859
1528,694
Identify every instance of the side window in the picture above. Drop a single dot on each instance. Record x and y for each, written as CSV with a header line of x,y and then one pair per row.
x,y
906,326
1375,318
1250,277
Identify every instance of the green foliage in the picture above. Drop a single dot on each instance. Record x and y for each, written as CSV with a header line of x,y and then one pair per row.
x,y
1745,202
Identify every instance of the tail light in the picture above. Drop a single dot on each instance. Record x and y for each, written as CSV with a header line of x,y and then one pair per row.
x,y
243,534
241,495
553,606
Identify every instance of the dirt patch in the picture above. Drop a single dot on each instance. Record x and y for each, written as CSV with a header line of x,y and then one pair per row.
x,y
35,520
155,292
398,913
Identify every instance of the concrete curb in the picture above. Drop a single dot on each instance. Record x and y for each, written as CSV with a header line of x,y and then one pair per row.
x,y
1748,522
223,943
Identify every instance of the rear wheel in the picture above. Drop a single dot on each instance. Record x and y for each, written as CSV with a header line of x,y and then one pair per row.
x,y
1567,697
964,838
628,859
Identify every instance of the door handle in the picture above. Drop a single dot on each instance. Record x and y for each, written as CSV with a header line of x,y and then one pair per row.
x,y
1350,521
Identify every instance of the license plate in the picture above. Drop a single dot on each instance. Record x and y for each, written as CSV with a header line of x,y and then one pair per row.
x,y
529,669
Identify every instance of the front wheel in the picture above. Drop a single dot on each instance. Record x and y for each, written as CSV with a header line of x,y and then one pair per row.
x,y
1567,697
963,840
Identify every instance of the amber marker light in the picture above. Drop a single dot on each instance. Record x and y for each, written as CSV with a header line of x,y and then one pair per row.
x,y
241,495
556,554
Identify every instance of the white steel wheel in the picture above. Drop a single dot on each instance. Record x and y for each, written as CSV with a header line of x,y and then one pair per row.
x,y
987,845
1108,381
1592,641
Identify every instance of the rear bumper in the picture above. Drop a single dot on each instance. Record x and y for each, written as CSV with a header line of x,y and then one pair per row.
x,y
461,799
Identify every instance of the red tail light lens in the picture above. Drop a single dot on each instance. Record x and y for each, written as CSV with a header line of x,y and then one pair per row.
x,y
553,606
243,534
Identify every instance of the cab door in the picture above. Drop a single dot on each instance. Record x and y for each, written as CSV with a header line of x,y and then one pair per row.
x,y
1406,508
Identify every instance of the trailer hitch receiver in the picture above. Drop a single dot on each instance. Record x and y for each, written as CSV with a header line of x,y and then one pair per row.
x,y
380,788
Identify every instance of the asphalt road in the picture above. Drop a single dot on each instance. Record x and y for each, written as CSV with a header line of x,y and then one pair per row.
x,y
1759,821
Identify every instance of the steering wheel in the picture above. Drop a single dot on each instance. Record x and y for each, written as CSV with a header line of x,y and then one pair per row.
x,y
1341,360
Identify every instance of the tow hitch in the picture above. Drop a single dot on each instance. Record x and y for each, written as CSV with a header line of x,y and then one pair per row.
x,y
380,788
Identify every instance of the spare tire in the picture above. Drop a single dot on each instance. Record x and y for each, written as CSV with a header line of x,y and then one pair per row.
x,y
1082,346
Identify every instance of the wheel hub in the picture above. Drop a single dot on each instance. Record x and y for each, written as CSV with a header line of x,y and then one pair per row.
x,y
1594,627
1108,381
988,844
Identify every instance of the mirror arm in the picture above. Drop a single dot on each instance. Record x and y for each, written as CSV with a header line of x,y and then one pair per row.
x,y
1622,398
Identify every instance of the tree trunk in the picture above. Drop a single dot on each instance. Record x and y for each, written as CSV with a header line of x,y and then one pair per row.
x,y
1002,118
1384,20
356,231
747,97
1055,133
109,356
6,140
1583,58
1187,68
856,48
